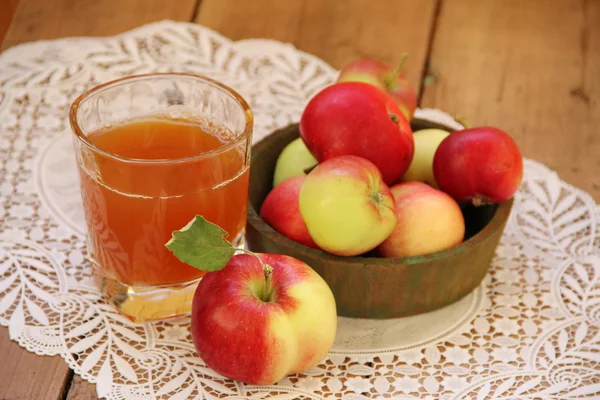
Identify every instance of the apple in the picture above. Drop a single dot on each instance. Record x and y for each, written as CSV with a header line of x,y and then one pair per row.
x,y
280,209
429,220
294,160
421,166
481,165
255,317
263,317
346,206
355,118
385,78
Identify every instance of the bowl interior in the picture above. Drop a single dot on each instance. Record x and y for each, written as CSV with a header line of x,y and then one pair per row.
x,y
264,158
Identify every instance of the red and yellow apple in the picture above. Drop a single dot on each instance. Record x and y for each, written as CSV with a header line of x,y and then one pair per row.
x,y
294,160
355,118
281,211
258,324
346,206
421,166
481,165
428,221
385,78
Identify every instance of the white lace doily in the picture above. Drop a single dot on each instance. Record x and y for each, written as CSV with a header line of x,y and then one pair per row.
x,y
531,330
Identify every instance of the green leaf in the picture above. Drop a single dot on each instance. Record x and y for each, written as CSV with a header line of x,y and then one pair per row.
x,y
202,245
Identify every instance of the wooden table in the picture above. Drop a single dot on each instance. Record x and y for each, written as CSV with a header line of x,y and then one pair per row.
x,y
529,67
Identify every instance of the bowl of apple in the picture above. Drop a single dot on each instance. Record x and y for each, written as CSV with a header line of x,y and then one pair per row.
x,y
399,215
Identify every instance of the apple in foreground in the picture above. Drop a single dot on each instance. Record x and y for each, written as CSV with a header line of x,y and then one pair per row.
x,y
385,78
258,325
280,210
428,221
346,206
426,144
355,118
482,165
294,160
255,317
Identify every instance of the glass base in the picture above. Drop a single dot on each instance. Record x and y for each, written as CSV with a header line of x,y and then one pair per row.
x,y
152,303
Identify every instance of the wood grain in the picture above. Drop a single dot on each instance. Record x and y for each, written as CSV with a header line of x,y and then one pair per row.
x,y
43,19
24,375
81,390
7,9
530,68
336,31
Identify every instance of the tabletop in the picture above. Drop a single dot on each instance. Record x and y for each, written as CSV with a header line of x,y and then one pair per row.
x,y
528,67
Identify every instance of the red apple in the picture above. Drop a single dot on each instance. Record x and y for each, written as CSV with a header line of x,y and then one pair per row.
x,y
428,221
355,118
257,324
347,207
385,78
483,165
280,210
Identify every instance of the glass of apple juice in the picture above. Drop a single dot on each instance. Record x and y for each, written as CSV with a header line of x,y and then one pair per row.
x,y
153,151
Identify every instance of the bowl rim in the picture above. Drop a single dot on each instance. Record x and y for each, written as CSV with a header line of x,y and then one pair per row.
x,y
500,216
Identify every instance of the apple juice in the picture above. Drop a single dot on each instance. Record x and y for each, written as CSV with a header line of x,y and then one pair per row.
x,y
165,172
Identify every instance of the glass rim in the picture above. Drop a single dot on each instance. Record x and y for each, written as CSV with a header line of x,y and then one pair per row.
x,y
98,88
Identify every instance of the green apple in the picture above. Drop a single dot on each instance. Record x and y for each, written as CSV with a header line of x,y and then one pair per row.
x,y
294,160
426,144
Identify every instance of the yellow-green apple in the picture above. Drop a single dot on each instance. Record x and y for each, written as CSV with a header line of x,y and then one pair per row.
x,y
421,166
347,207
258,323
294,160
355,118
385,78
280,210
481,165
428,221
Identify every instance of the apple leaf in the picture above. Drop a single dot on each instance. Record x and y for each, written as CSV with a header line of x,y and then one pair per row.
x,y
201,244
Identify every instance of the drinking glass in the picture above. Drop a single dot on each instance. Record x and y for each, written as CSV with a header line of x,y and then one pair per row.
x,y
153,151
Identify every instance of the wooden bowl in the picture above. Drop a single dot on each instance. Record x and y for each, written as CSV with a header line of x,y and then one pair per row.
x,y
369,287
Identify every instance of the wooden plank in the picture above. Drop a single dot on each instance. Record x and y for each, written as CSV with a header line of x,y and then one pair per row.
x,y
336,31
81,390
24,375
43,19
7,9
530,68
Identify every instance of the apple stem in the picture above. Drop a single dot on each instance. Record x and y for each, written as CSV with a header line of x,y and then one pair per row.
x,y
478,201
390,77
268,272
462,120
268,293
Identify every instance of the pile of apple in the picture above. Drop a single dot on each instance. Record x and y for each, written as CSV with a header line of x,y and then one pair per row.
x,y
358,179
